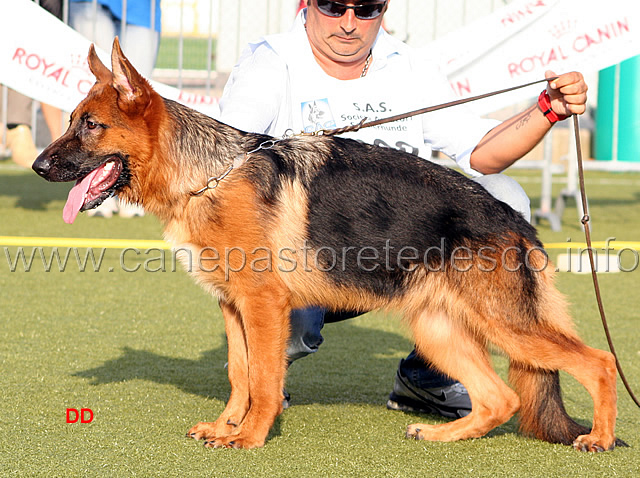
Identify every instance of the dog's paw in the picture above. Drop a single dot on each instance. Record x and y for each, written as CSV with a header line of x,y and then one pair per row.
x,y
211,430
202,431
593,444
235,441
419,431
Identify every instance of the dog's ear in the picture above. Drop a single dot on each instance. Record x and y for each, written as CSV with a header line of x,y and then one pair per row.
x,y
133,89
101,72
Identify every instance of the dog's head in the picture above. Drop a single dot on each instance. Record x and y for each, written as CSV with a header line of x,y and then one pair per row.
x,y
108,135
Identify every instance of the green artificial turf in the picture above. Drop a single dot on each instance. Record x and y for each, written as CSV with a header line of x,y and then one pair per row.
x,y
194,51
146,352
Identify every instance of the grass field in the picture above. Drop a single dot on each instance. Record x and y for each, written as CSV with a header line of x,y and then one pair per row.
x,y
194,53
145,351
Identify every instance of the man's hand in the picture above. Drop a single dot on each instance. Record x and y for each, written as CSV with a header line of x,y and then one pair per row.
x,y
568,93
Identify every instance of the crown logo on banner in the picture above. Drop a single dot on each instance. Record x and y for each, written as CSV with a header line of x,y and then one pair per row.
x,y
79,61
563,28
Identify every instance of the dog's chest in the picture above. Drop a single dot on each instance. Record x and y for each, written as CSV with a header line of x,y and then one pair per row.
x,y
198,262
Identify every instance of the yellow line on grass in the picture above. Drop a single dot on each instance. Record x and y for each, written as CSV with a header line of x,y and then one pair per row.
x,y
611,245
82,242
150,244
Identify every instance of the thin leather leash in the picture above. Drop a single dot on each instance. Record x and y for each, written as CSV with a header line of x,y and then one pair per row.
x,y
587,234
366,124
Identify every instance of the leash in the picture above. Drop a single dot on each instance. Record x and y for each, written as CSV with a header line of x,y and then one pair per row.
x,y
428,109
242,158
587,234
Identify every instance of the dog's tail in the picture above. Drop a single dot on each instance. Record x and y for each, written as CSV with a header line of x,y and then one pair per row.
x,y
542,413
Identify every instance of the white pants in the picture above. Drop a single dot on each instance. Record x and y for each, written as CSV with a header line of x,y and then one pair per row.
x,y
507,190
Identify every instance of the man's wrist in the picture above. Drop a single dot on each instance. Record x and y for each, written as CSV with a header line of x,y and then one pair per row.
x,y
544,103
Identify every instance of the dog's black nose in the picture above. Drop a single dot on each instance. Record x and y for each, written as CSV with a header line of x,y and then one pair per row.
x,y
42,165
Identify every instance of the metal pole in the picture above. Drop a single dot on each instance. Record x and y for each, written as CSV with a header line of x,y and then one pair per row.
x,y
267,23
238,29
153,15
616,113
3,123
123,22
209,50
181,45
545,200
93,26
545,211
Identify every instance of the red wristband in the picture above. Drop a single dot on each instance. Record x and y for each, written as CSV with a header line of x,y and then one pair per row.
x,y
544,102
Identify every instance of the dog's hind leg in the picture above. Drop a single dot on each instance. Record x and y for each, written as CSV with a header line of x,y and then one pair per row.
x,y
536,358
539,346
456,351
238,372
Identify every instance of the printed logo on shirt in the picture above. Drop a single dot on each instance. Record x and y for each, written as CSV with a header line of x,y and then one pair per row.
x,y
317,115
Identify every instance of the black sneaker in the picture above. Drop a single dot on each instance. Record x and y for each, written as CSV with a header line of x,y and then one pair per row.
x,y
451,401
286,398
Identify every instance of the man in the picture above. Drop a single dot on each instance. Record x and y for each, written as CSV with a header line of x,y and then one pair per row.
x,y
336,67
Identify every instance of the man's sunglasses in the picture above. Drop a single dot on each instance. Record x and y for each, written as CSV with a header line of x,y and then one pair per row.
x,y
368,11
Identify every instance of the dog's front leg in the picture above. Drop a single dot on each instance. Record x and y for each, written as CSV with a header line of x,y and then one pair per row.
x,y
265,321
238,403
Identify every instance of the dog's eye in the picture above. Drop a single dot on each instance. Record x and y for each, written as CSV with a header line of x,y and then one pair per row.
x,y
91,125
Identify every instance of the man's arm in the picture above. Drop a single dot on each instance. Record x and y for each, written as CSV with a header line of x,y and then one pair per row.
x,y
515,137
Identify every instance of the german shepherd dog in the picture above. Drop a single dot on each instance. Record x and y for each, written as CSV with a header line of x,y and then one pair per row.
x,y
327,221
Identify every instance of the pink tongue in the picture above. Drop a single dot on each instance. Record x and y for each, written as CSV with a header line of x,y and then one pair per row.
x,y
76,197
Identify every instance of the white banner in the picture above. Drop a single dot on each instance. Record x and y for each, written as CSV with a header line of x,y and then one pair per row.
x,y
45,59
519,42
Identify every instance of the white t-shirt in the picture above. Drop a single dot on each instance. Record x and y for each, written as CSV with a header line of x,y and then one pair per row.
x,y
277,85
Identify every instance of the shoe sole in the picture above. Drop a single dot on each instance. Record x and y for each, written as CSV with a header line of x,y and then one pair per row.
x,y
402,407
410,406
